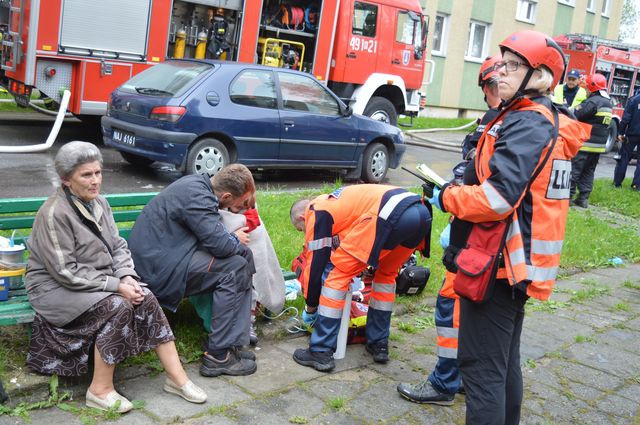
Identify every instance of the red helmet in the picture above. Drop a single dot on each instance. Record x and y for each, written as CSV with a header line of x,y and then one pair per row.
x,y
487,70
537,49
596,82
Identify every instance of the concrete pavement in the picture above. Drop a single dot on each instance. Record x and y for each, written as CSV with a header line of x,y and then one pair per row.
x,y
580,355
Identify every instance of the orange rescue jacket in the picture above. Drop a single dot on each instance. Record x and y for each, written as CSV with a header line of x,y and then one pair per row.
x,y
509,152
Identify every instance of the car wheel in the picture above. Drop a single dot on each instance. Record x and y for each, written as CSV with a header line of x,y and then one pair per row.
x,y
207,156
611,138
138,160
375,163
381,109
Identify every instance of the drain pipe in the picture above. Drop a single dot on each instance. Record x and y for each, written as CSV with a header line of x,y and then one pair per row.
x,y
52,136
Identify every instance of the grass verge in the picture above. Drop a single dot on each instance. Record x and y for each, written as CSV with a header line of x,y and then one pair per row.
x,y
421,123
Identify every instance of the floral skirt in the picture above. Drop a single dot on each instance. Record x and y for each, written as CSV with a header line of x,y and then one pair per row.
x,y
118,328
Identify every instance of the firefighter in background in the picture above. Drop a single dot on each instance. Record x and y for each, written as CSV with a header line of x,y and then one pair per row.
x,y
217,43
596,110
630,138
366,225
444,382
570,93
519,166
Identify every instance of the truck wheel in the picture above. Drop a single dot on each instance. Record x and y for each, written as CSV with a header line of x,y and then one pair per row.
x,y
138,160
207,156
381,109
375,163
611,138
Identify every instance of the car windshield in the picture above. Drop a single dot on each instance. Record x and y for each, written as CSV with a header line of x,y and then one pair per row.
x,y
166,79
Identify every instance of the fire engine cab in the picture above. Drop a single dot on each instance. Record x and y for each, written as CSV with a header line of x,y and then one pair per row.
x,y
618,62
371,53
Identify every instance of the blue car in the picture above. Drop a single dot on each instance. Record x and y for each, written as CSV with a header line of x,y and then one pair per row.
x,y
202,115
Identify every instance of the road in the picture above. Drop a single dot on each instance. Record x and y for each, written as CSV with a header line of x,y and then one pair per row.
x,y
33,174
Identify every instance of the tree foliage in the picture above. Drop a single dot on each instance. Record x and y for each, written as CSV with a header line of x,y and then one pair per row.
x,y
629,20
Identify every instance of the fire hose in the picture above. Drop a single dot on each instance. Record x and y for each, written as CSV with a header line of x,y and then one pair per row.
x,y
64,103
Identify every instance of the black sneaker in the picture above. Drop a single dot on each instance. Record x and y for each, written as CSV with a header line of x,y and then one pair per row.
x,y
233,364
319,360
425,393
379,351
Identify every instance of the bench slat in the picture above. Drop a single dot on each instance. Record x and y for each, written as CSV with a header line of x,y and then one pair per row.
x,y
129,199
18,205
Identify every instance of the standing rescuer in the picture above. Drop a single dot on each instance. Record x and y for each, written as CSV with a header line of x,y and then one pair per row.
x,y
630,138
444,381
519,166
570,93
596,110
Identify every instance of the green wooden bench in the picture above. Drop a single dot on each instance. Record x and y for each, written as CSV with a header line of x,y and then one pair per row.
x,y
18,214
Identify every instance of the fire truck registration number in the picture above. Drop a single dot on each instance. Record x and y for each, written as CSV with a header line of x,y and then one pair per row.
x,y
124,137
363,45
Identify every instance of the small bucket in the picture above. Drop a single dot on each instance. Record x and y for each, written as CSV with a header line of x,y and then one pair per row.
x,y
12,254
9,278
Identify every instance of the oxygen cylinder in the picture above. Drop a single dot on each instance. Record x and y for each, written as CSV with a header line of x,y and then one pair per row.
x,y
201,47
181,41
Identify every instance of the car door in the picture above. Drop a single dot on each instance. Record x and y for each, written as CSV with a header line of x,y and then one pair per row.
x,y
313,128
254,121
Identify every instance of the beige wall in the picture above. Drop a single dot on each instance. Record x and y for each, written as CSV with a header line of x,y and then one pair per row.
x,y
456,76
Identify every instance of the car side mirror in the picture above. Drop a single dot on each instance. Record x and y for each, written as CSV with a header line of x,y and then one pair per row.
x,y
347,111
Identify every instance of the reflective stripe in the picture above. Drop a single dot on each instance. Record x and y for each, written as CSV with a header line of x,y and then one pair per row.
x,y
546,247
380,305
516,256
448,353
514,230
392,203
333,294
333,313
389,288
541,274
497,202
319,244
447,332
603,111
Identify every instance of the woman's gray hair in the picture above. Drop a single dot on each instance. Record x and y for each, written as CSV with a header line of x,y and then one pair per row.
x,y
541,81
73,154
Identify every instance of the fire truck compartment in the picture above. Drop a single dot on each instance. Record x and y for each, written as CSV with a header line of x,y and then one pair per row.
x,y
52,77
116,27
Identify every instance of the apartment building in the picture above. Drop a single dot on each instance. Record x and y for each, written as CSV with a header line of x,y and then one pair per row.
x,y
462,33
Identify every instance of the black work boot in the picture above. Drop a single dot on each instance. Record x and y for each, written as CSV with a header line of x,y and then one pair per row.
x,y
232,364
425,393
581,202
319,360
379,351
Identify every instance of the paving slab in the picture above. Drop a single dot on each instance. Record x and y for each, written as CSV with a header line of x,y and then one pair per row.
x,y
278,409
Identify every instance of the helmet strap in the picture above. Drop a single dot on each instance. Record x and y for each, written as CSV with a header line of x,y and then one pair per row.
x,y
522,90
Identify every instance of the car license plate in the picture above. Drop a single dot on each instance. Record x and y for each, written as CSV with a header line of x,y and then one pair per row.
x,y
124,137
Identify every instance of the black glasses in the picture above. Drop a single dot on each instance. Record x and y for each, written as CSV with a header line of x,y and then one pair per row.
x,y
510,66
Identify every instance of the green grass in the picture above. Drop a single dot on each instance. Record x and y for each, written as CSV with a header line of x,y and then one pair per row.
x,y
420,123
621,200
336,403
582,338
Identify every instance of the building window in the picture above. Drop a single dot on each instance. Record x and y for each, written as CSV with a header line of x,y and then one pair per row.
x,y
526,10
440,32
571,3
477,45
591,6
605,7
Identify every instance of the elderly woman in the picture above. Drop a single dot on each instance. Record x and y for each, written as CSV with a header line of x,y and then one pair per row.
x,y
520,174
83,286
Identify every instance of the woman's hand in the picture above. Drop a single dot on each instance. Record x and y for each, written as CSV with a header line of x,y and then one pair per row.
x,y
131,290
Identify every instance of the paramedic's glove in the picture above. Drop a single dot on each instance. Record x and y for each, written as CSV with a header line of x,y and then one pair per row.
x,y
445,236
435,199
309,318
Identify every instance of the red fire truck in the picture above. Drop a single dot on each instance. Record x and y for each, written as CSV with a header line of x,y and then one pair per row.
x,y
619,62
371,53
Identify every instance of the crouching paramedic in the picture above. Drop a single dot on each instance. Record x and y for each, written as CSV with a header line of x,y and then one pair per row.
x,y
345,232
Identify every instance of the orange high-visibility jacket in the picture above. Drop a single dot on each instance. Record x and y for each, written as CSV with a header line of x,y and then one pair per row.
x,y
509,152
355,218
